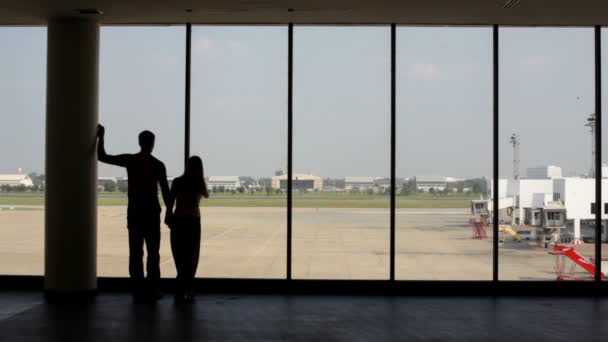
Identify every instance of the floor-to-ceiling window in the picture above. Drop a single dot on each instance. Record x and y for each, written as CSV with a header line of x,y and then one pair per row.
x,y
141,87
341,152
547,181
22,127
443,152
239,129
341,147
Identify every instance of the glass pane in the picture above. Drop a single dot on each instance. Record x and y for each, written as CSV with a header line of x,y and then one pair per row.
x,y
444,152
141,88
22,132
546,187
239,129
341,153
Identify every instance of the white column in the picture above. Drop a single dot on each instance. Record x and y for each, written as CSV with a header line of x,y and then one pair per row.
x,y
71,161
577,229
520,212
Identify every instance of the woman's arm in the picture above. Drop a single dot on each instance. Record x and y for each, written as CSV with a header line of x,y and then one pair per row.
x,y
172,194
205,192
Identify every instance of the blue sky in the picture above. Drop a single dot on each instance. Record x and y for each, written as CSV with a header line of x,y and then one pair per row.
x,y
341,98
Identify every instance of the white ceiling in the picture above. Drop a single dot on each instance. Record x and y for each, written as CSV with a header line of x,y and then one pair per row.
x,y
441,12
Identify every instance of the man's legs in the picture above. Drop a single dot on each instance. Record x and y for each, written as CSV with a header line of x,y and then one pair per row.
x,y
152,237
136,253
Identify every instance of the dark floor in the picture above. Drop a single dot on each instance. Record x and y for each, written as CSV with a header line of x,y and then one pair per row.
x,y
113,317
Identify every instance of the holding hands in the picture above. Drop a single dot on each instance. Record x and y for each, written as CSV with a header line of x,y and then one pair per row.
x,y
101,131
169,219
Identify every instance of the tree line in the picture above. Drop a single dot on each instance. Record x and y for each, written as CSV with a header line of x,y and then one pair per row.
x,y
264,185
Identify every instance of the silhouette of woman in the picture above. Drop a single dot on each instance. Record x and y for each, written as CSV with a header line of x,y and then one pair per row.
x,y
185,225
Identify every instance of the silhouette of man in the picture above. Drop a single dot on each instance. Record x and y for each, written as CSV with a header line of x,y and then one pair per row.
x,y
145,173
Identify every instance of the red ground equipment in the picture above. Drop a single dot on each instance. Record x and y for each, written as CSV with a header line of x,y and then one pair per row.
x,y
564,270
479,227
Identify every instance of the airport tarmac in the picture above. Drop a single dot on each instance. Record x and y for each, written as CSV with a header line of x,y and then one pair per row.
x,y
328,243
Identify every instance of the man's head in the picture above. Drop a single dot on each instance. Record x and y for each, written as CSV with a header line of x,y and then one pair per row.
x,y
146,141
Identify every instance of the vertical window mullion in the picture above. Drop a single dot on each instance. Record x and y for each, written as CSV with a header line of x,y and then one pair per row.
x,y
598,153
187,99
393,149
495,189
289,145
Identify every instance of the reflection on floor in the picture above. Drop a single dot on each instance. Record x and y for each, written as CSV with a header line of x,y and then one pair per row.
x,y
113,317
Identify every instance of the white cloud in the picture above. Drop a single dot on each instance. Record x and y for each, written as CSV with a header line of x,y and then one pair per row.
x,y
204,45
424,72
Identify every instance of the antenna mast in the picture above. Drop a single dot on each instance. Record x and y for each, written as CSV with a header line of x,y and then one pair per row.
x,y
514,140
591,124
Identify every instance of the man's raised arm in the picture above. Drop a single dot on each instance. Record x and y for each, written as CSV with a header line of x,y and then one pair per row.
x,y
102,156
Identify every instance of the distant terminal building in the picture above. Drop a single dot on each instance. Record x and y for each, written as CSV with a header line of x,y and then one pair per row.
x,y
359,183
300,182
227,182
106,183
101,180
452,182
384,183
425,183
16,180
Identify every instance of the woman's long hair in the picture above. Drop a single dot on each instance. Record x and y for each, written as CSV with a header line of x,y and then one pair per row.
x,y
194,176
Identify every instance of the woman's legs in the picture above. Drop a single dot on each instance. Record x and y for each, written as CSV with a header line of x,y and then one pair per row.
x,y
177,249
185,246
194,252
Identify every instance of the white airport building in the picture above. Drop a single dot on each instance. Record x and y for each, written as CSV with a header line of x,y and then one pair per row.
x,y
300,181
384,183
360,183
544,172
227,182
425,183
16,180
525,200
